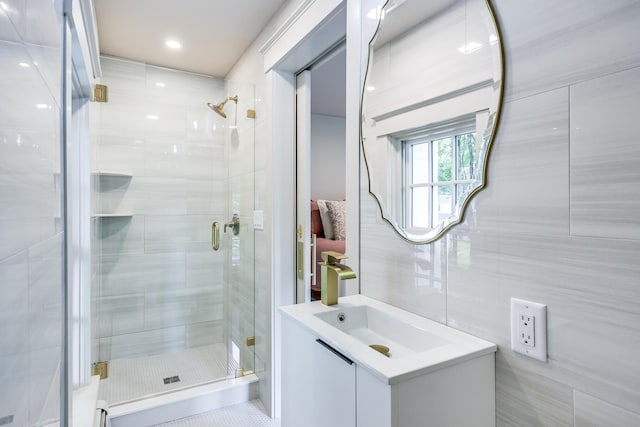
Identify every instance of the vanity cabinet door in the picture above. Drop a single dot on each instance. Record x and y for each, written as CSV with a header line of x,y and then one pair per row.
x,y
373,400
318,384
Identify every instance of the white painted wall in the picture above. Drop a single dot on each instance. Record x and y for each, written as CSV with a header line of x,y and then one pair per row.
x,y
327,157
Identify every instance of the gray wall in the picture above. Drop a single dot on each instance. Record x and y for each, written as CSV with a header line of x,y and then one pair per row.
x,y
30,225
558,223
327,157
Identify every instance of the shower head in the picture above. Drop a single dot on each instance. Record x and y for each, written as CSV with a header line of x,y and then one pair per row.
x,y
218,108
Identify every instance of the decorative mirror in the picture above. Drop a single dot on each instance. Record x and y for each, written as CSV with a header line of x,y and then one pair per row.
x,y
430,108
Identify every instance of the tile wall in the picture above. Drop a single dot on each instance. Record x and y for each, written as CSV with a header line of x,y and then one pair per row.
x,y
30,227
558,223
159,286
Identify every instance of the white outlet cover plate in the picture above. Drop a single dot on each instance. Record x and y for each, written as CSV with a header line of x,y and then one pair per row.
x,y
258,220
539,311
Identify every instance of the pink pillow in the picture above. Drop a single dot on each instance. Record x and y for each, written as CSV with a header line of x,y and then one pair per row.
x,y
316,221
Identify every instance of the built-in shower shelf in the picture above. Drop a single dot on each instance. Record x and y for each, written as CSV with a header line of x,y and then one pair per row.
x,y
113,215
112,174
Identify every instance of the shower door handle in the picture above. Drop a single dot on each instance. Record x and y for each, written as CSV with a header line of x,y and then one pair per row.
x,y
215,235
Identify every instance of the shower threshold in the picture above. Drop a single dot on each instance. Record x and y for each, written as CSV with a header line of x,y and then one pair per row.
x,y
184,402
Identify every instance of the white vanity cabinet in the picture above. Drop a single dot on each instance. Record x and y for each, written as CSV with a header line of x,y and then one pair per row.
x,y
436,376
318,386
461,395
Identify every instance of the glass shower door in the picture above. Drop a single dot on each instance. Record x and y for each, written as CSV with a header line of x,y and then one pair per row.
x,y
241,247
167,309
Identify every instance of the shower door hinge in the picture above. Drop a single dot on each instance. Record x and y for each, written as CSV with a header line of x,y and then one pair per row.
x,y
251,114
100,368
101,93
251,341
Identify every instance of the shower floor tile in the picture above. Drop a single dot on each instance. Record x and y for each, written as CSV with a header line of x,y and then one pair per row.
x,y
139,377
250,414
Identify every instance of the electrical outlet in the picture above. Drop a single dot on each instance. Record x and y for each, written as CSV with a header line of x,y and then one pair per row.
x,y
527,334
258,220
529,328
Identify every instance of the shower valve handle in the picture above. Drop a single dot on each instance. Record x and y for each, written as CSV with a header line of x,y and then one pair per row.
x,y
234,225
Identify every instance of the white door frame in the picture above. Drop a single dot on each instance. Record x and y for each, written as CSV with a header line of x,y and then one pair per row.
x,y
303,186
314,28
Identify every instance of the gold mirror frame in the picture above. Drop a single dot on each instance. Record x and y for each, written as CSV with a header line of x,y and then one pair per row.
x,y
436,233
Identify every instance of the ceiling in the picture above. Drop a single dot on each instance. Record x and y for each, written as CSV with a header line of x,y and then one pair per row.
x,y
213,33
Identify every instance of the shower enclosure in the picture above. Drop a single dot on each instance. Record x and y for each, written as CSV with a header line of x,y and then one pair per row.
x,y
168,310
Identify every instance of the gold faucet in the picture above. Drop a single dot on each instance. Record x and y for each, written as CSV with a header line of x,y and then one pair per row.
x,y
332,271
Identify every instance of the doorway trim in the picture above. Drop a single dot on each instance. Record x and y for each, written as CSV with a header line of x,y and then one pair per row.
x,y
313,29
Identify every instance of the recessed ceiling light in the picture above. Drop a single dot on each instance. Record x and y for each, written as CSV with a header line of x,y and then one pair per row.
x,y
41,106
173,44
371,88
160,84
152,117
24,65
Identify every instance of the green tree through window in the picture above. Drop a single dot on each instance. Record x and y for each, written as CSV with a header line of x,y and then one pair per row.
x,y
439,173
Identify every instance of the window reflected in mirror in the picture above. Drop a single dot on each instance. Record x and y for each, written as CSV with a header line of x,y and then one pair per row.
x,y
430,107
439,173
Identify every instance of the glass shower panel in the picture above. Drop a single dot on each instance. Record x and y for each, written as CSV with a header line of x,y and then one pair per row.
x,y
241,256
164,170
31,227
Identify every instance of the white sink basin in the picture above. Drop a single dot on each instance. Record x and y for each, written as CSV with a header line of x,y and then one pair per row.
x,y
372,326
416,345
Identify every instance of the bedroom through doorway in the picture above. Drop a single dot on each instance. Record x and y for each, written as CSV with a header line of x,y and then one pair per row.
x,y
321,168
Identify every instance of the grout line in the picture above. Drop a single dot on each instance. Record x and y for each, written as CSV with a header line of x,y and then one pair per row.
x,y
569,154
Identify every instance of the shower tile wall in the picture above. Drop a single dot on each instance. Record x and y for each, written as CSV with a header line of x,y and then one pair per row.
x,y
558,223
30,231
159,286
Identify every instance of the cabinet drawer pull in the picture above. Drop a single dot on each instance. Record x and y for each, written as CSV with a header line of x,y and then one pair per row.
x,y
334,351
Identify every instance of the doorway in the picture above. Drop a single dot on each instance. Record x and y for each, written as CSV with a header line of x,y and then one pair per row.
x,y
321,167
